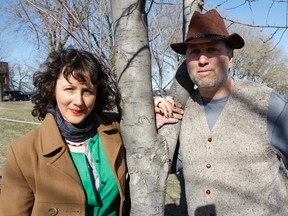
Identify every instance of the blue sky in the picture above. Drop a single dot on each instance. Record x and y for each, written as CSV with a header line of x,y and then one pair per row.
x,y
262,12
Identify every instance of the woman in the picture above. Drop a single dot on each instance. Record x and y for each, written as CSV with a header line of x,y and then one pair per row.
x,y
74,163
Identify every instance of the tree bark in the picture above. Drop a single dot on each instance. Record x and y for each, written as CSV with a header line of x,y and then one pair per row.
x,y
189,6
146,151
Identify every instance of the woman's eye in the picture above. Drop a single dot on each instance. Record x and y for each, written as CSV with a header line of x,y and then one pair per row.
x,y
68,89
88,92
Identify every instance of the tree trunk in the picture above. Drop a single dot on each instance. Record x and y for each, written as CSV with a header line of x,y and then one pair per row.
x,y
182,85
146,151
189,6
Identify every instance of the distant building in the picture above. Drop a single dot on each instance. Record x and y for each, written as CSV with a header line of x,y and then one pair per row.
x,y
4,76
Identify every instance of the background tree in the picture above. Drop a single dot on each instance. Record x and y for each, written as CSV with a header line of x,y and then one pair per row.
x,y
20,77
3,47
260,61
53,24
163,28
168,23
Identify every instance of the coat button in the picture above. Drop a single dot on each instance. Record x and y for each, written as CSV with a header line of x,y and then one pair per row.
x,y
53,211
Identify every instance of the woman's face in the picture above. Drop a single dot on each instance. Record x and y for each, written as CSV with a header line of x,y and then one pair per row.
x,y
75,100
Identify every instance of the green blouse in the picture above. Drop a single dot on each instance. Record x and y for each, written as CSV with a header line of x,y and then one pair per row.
x,y
104,200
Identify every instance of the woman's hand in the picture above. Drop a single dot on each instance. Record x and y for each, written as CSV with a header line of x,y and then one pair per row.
x,y
168,111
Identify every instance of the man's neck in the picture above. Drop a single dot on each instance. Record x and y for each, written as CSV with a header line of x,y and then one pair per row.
x,y
221,92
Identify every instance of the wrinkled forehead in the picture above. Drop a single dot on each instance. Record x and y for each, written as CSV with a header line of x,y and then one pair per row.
x,y
219,45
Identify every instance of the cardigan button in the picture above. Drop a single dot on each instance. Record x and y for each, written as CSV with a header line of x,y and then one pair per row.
x,y
208,166
53,211
209,139
208,192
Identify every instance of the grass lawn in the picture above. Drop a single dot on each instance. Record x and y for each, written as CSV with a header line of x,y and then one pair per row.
x,y
10,131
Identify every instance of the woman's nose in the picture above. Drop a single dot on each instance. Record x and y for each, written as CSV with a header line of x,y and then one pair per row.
x,y
78,100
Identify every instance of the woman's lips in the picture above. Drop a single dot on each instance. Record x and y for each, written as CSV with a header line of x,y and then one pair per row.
x,y
77,112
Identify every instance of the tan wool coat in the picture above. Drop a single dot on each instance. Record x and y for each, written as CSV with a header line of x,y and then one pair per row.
x,y
39,177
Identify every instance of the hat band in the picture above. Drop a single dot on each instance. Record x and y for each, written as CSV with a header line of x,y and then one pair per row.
x,y
203,36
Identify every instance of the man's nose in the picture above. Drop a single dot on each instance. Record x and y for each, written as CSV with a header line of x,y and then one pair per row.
x,y
203,58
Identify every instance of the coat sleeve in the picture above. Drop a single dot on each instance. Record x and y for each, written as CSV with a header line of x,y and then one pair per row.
x,y
16,196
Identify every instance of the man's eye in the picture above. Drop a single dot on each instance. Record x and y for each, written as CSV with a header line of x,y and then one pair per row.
x,y
194,51
212,50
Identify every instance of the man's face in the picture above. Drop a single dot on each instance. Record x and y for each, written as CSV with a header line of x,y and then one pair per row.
x,y
208,65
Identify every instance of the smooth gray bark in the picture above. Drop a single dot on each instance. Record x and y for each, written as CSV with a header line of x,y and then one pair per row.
x,y
146,151
189,6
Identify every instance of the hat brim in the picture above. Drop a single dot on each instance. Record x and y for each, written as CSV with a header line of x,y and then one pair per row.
x,y
234,40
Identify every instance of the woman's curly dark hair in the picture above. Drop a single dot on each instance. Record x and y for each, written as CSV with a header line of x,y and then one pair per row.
x,y
77,63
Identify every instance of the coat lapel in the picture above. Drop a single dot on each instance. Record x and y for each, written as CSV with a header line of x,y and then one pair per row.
x,y
53,146
111,140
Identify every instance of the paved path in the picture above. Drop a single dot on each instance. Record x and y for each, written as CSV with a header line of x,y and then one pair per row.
x,y
19,121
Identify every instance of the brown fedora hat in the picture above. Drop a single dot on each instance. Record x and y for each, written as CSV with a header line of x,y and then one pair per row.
x,y
208,27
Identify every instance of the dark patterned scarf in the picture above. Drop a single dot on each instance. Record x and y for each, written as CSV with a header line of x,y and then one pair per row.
x,y
74,132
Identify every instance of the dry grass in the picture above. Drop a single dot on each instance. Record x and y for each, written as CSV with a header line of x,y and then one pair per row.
x,y
17,110
10,131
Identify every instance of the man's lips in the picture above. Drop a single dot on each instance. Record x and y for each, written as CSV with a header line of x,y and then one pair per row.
x,y
204,72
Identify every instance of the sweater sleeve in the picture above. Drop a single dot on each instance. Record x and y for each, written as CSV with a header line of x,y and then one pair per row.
x,y
278,125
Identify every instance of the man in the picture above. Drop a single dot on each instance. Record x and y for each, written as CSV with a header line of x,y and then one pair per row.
x,y
234,133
